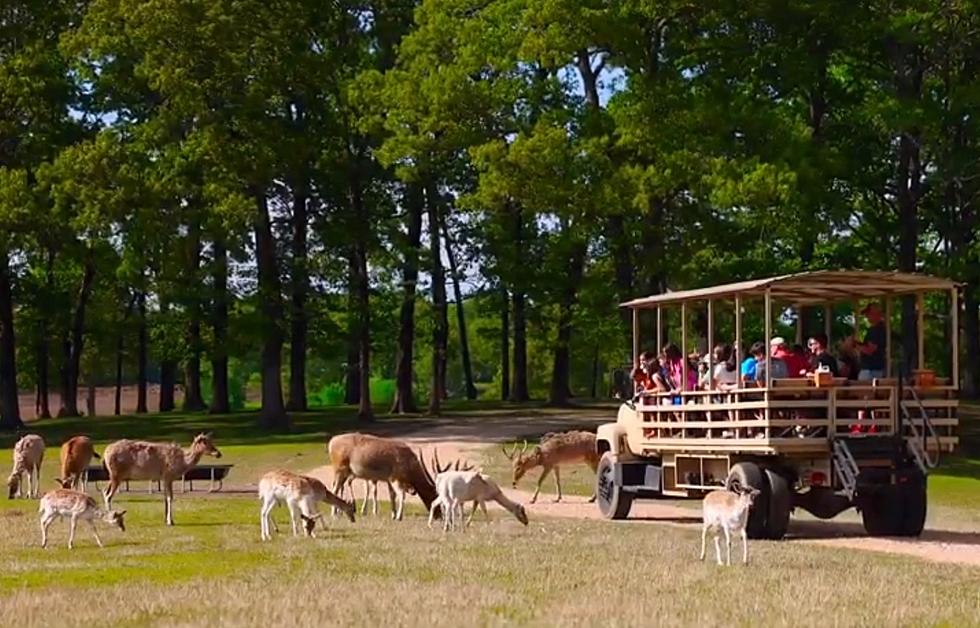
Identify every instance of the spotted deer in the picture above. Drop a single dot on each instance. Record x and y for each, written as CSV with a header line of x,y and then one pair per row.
x,y
553,451
166,462
28,456
75,506
725,512
301,494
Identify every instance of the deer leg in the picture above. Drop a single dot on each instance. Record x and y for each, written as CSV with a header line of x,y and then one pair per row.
x,y
704,540
71,531
45,524
110,492
37,481
432,512
339,485
728,543
265,516
476,504
95,533
168,501
537,489
394,501
400,494
718,547
558,483
292,517
745,547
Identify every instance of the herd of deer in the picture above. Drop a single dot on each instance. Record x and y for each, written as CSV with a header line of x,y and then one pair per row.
x,y
445,489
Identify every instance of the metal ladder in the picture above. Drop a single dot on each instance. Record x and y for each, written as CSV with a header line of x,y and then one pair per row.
x,y
845,466
917,443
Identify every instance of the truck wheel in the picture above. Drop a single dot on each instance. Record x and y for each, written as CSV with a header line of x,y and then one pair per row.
x,y
749,475
780,505
613,501
913,495
882,511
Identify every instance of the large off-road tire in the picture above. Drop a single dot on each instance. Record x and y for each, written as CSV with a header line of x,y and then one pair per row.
x,y
895,509
613,501
780,505
748,475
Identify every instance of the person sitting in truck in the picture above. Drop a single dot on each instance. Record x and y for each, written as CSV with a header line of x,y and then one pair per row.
x,y
671,374
643,374
822,357
795,364
725,375
748,364
762,363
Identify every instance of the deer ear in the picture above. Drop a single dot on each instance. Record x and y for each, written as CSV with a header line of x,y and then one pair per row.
x,y
121,513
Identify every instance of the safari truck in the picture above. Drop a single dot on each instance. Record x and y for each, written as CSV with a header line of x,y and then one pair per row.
x,y
792,439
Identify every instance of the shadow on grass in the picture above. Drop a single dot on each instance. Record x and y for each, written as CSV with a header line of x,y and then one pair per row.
x,y
816,530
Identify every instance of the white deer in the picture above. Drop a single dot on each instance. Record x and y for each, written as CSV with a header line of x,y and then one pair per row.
x,y
455,488
75,505
727,512
301,494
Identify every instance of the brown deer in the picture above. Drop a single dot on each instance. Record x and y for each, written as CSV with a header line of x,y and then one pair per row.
x,y
553,451
338,449
76,454
166,462
28,456
377,459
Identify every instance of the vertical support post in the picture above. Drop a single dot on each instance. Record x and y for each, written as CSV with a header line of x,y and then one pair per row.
x,y
920,306
683,382
828,318
954,320
799,323
711,342
738,339
636,337
768,328
888,336
660,330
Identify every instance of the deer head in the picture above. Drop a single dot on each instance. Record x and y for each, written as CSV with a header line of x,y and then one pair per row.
x,y
522,463
309,523
204,444
13,485
115,518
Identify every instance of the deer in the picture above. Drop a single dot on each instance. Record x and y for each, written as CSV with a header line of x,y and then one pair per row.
x,y
338,449
456,487
377,459
28,456
166,462
76,453
76,506
553,451
727,512
301,494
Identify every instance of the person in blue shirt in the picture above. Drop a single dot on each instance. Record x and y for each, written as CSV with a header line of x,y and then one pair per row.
x,y
748,364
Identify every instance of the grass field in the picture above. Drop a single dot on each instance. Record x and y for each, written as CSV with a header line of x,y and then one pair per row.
x,y
211,568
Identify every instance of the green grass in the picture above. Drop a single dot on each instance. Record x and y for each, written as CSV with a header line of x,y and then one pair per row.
x,y
211,569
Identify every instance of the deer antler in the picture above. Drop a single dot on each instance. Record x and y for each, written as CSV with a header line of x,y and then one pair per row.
x,y
435,458
509,454
524,448
428,476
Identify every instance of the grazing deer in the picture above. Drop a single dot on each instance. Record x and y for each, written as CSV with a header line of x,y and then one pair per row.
x,y
75,505
301,494
76,454
28,456
553,451
455,488
727,512
338,449
166,462
377,459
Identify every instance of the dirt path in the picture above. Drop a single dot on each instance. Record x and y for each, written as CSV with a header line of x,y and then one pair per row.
x,y
467,439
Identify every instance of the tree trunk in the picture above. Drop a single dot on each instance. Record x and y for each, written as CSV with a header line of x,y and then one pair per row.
x,y
464,343
971,341
117,401
519,388
561,391
142,355
9,402
90,400
300,286
220,401
43,409
74,345
504,345
168,382
273,412
440,330
404,393
364,410
352,381
594,389
193,399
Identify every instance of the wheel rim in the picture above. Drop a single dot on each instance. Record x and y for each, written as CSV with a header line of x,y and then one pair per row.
x,y
605,488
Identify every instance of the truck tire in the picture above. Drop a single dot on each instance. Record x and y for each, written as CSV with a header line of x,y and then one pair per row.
x,y
882,512
913,505
613,501
780,505
749,475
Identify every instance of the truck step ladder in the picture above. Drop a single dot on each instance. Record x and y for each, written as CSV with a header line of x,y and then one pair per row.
x,y
845,466
917,443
